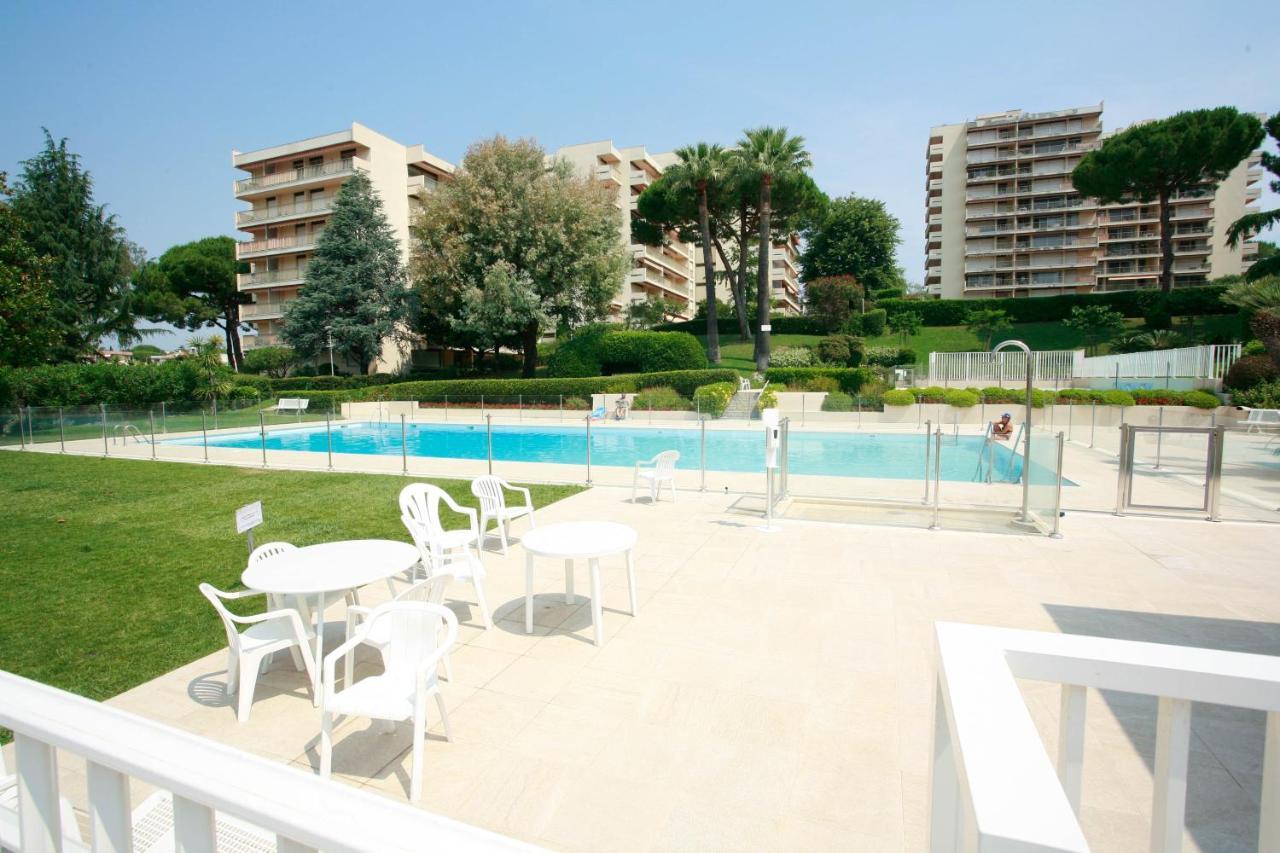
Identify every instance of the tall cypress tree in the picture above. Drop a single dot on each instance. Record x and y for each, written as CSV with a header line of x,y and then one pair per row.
x,y
355,286
89,257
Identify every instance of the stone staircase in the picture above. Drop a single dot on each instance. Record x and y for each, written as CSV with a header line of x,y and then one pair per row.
x,y
743,406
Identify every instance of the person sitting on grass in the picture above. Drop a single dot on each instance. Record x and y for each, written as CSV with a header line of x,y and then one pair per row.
x,y
1003,428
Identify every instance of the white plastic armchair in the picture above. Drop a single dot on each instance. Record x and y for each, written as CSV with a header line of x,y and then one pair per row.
x,y
440,549
413,652
491,491
430,590
660,469
267,633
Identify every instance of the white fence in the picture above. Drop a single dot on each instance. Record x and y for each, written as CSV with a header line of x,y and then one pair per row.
x,y
1057,366
994,786
1199,362
304,811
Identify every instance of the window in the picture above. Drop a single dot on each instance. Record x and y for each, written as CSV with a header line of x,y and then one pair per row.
x,y
347,154
316,161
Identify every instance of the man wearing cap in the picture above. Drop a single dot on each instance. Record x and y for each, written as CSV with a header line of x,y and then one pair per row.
x,y
1003,428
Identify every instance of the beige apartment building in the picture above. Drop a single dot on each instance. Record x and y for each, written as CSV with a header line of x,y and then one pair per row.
x,y
289,190
784,257
1003,219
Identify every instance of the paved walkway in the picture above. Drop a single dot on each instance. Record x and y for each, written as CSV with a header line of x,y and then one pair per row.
x,y
775,691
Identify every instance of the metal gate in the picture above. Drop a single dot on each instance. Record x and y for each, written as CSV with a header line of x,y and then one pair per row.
x,y
1212,467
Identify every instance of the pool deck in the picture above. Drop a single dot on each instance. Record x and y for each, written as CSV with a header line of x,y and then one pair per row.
x,y
775,690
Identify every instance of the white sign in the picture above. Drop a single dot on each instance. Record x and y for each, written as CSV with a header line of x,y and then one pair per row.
x,y
765,327
248,516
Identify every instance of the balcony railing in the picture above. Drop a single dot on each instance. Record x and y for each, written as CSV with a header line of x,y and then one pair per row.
x,y
994,786
266,278
655,255
274,244
284,211
301,810
306,173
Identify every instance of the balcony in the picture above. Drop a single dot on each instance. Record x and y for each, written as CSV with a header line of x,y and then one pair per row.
x,y
420,185
295,177
641,178
608,175
654,255
653,278
281,212
935,150
273,245
935,185
263,311
271,278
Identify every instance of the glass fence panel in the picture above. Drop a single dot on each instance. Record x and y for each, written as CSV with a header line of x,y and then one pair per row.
x,y
1041,470
1250,484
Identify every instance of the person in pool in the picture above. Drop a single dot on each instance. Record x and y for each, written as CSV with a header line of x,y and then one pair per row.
x,y
1003,428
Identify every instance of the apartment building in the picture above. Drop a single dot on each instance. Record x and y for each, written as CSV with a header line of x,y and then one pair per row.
x,y
290,189
784,258
666,271
1003,219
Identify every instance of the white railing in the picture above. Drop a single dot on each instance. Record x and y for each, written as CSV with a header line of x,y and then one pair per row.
x,y
1198,362
304,811
993,784
967,368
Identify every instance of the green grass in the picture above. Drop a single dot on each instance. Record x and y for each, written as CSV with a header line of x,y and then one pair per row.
x,y
1039,336
100,558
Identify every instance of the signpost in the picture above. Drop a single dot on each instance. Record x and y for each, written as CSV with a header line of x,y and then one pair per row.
x,y
248,517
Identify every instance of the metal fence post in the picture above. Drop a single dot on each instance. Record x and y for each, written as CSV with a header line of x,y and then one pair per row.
x,y
22,435
164,418
204,432
482,404
927,435
1159,435
1125,470
520,408
215,413
1213,482
488,435
404,448
937,476
62,433
1057,499
105,450
588,419
702,463
446,408
262,430
1093,420
151,416
802,407
328,437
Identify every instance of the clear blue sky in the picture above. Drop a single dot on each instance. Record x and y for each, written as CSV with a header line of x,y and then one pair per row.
x,y
154,96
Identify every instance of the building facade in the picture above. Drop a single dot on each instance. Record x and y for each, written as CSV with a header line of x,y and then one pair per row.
x,y
666,271
784,260
1003,218
290,190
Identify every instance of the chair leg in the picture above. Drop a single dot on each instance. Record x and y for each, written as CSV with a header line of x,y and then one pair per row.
x,y
326,744
298,663
502,534
483,605
444,715
419,735
248,681
233,671
448,668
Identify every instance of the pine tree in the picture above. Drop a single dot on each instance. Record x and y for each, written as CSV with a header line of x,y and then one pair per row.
x,y
355,284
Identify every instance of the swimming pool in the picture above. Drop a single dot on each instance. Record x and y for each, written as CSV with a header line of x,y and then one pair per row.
x,y
838,454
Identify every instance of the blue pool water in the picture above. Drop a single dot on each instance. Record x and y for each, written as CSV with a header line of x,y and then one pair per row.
x,y
878,455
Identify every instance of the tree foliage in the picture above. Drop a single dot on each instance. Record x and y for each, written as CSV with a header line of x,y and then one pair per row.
x,y
650,312
904,324
89,258
512,247
193,286
271,361
832,300
986,323
1096,323
1154,161
27,334
355,286
858,237
1268,262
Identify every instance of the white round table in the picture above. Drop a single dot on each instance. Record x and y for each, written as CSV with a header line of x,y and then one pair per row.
x,y
316,570
579,540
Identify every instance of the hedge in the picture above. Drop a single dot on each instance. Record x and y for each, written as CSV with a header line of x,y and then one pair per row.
x,y
105,382
596,349
1192,301
898,397
711,399
850,378
685,382
780,324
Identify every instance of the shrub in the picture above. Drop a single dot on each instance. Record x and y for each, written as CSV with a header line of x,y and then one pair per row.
x,y
1117,397
929,394
1158,397
661,398
819,383
837,401
1249,371
1189,301
728,325
834,349
1254,347
831,300
579,404
853,326
1201,400
873,322
850,379
711,399
768,398
898,397
792,357
960,398
599,350
273,361
1265,395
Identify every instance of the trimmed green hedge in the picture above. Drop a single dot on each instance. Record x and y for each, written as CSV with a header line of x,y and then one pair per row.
x,y
849,378
1193,301
780,324
685,382
712,399
105,382
898,397
593,350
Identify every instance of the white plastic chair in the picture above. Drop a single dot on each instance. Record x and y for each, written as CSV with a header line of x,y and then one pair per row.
x,y
267,633
413,652
430,590
440,549
493,506
660,469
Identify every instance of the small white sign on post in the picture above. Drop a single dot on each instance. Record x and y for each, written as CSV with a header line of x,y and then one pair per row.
x,y
248,517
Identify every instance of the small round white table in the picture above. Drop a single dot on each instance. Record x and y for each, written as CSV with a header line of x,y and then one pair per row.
x,y
329,567
578,540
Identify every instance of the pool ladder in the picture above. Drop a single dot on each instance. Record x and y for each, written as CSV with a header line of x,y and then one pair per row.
x,y
988,453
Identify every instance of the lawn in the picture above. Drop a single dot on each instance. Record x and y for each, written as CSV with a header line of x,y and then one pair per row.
x,y
101,557
1039,336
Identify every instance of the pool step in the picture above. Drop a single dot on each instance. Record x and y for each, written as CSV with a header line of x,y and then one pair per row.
x,y
742,407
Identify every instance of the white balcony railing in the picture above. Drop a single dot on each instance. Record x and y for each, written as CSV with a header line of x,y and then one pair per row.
x,y
994,786
266,278
284,211
293,242
333,168
303,811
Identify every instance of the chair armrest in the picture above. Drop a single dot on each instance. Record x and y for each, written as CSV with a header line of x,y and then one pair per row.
x,y
528,498
291,615
332,658
244,593
463,510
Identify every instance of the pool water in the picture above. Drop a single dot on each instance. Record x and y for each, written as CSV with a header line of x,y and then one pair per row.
x,y
880,455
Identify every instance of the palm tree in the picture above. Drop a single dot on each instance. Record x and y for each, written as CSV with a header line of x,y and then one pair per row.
x,y
765,154
701,169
